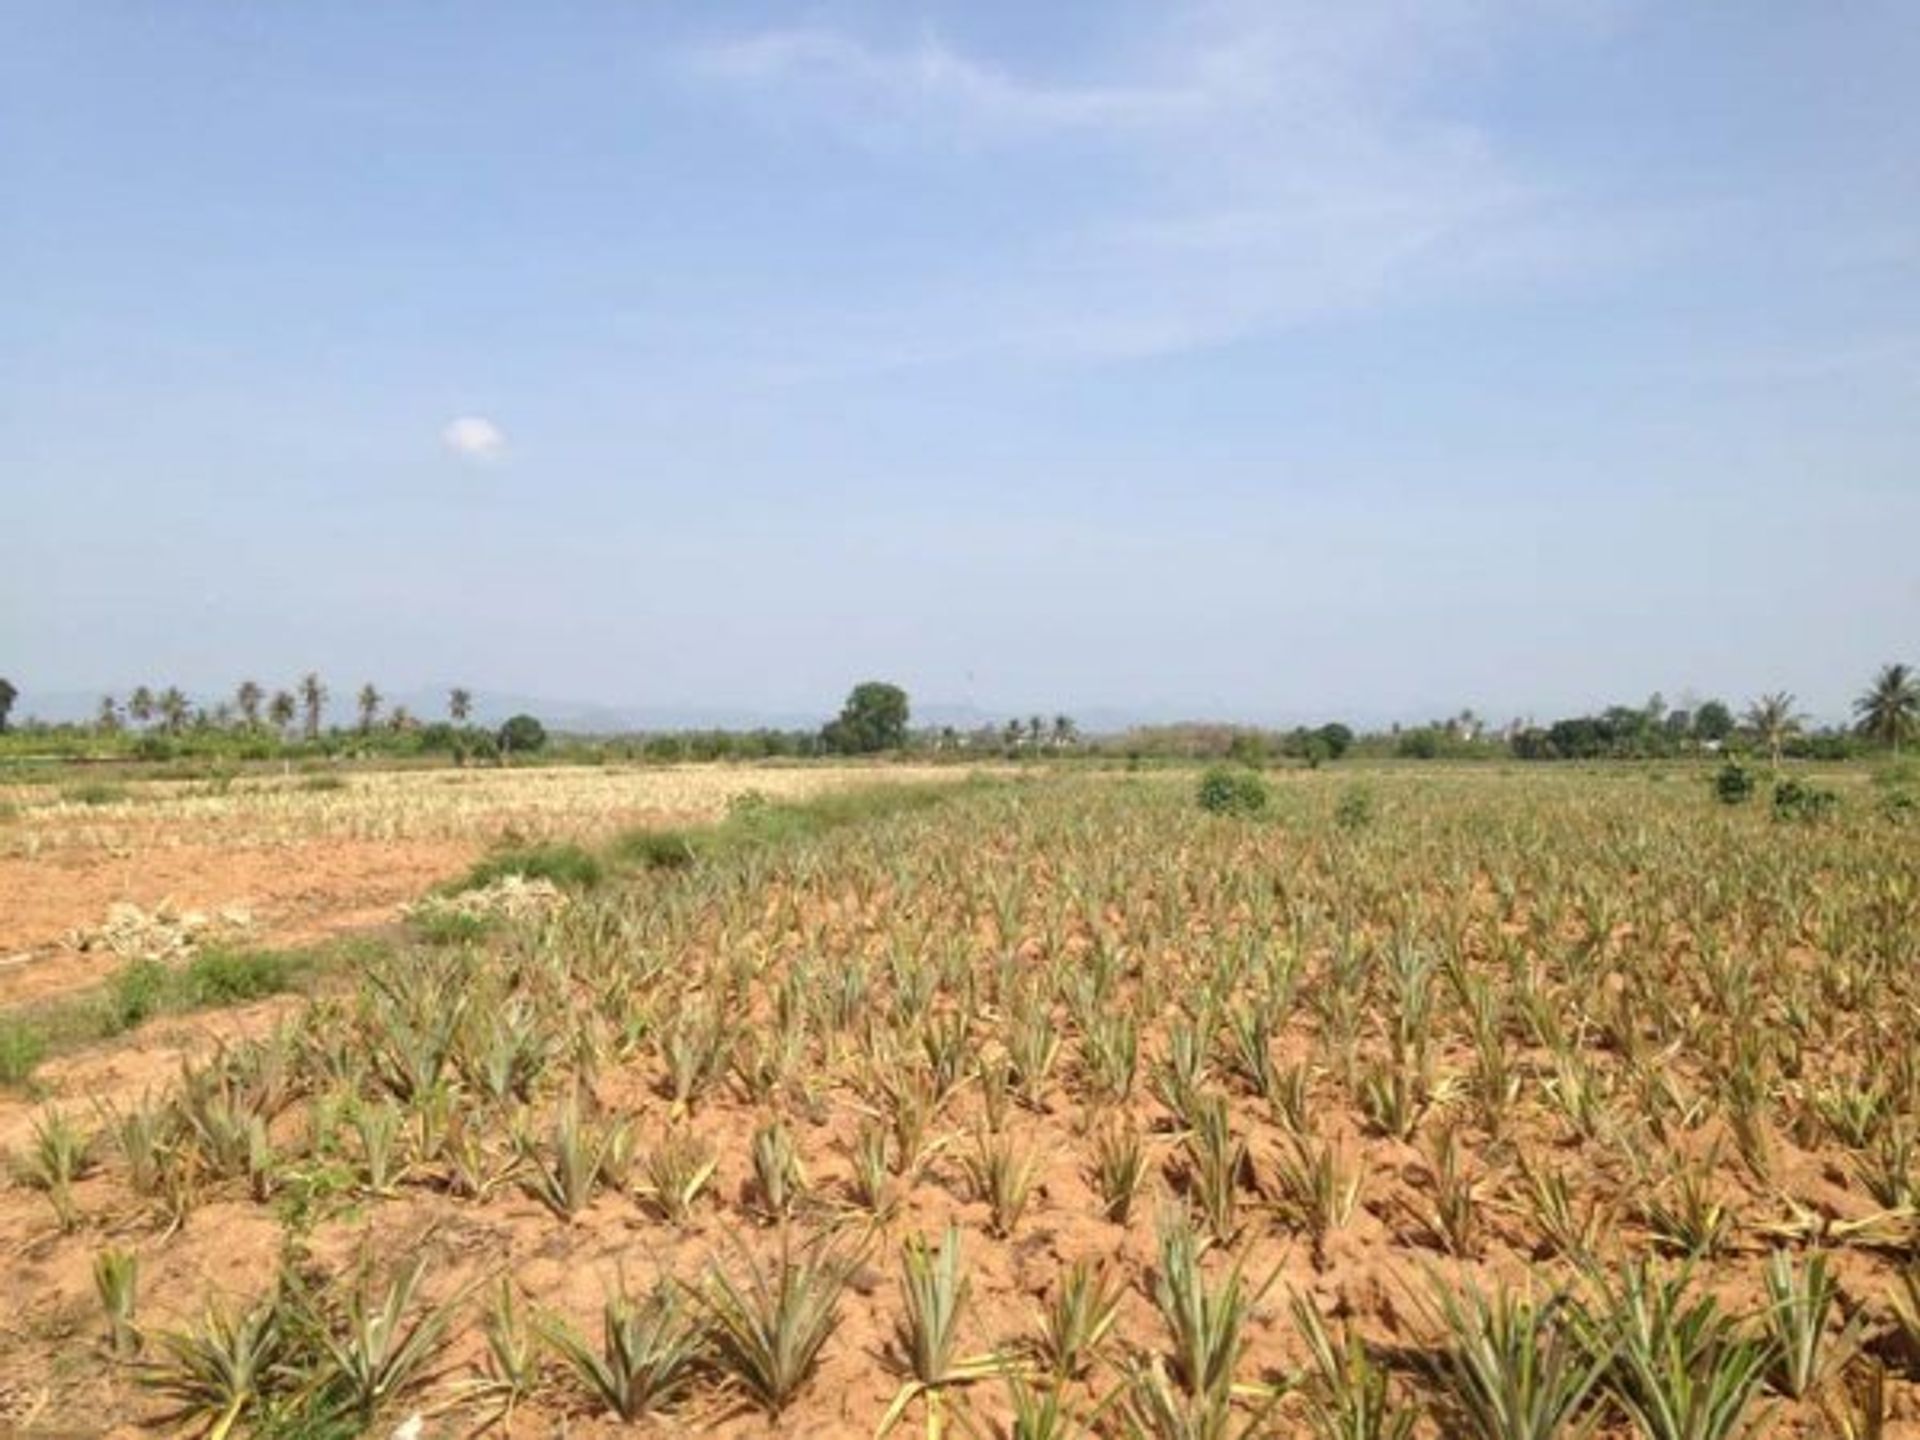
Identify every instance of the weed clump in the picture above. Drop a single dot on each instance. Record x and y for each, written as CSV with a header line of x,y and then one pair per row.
x,y
1793,800
1733,784
568,866
1227,791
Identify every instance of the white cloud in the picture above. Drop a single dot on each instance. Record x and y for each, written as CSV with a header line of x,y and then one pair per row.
x,y
474,437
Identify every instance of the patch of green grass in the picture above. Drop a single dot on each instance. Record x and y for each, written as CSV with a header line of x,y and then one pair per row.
x,y
232,977
656,849
568,866
22,1046
143,990
754,821
94,792
451,927
138,990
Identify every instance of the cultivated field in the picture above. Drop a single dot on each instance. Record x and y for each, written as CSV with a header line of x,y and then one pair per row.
x,y
299,856
1466,1102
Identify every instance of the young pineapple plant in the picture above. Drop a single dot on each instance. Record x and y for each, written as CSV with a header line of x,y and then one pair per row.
x,y
116,1280
384,1344
1119,1169
1073,1329
1003,1174
933,1295
1206,1323
778,1178
1347,1394
1217,1165
59,1155
1801,1305
1319,1190
647,1356
1683,1369
564,1174
674,1174
215,1373
1511,1369
873,1188
764,1332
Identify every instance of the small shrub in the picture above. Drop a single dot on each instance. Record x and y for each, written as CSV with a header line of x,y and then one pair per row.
x,y
1733,784
94,792
656,849
1225,791
232,977
567,866
1793,800
451,927
319,784
1355,810
137,992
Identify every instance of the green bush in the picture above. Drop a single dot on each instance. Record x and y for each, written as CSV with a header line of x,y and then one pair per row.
x,y
656,849
567,866
94,792
1226,791
137,992
1355,810
231,977
1793,800
451,927
1733,784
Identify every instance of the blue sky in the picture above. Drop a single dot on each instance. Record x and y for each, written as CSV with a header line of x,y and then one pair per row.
x,y
1260,361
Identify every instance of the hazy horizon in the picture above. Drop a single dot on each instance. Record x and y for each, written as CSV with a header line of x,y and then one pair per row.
x,y
1231,361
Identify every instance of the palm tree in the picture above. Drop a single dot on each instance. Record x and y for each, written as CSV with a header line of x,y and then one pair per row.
x,y
1774,721
248,698
281,709
1065,732
369,701
459,704
140,704
313,699
8,694
1889,709
108,719
173,708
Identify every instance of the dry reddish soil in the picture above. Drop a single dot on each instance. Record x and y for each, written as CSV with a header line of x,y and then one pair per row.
x,y
293,894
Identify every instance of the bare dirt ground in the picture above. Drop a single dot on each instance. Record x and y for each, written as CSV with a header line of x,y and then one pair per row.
x,y
303,862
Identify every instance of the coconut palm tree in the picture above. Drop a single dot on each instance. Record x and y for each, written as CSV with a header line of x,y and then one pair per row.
x,y
172,707
248,697
8,694
1889,709
107,720
313,699
281,709
369,702
140,705
1774,721
459,704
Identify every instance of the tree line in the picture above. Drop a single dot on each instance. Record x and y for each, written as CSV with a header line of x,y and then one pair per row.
x,y
876,716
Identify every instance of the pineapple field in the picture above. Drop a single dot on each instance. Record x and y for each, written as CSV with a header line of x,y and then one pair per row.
x,y
1416,1102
